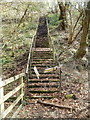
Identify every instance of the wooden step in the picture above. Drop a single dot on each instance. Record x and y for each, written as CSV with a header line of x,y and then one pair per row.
x,y
38,86
43,91
42,55
40,67
44,84
45,97
41,49
46,76
43,62
41,71
43,65
36,59
43,80
45,57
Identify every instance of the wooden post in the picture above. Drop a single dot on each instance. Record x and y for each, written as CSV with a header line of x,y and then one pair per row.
x,y
1,96
26,86
60,80
22,89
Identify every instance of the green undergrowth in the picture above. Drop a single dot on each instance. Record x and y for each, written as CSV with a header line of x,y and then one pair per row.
x,y
53,20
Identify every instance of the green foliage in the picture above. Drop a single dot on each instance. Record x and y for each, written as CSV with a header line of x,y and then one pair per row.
x,y
5,60
53,19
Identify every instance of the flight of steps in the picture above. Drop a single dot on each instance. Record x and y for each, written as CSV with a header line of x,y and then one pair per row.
x,y
48,84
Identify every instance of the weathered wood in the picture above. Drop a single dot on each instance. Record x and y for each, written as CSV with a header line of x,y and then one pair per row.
x,y
42,49
43,91
47,97
8,95
5,113
17,111
37,86
29,56
22,89
1,96
43,81
10,80
54,105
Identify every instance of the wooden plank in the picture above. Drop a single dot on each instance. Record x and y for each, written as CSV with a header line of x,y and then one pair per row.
x,y
38,86
8,95
54,105
22,90
17,111
47,97
43,91
29,56
42,49
8,110
1,96
10,80
42,80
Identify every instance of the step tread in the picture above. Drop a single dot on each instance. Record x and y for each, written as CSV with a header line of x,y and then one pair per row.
x,y
41,64
47,97
43,81
43,91
41,49
38,59
37,86
45,76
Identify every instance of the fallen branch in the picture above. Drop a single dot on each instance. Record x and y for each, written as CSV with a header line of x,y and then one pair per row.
x,y
54,105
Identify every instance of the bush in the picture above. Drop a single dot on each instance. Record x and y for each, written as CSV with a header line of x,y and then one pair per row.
x,y
53,19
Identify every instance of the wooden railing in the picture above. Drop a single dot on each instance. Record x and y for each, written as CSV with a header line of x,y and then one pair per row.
x,y
32,45
55,57
3,98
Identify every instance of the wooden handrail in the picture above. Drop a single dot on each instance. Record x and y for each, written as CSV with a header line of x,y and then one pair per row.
x,y
29,56
10,80
55,58
3,98
11,93
30,51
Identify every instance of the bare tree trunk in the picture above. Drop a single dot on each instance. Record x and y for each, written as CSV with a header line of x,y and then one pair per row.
x,y
72,28
62,17
83,42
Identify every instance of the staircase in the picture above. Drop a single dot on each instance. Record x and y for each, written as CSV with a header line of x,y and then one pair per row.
x,y
48,84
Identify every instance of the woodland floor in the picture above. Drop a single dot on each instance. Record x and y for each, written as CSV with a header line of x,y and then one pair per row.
x,y
74,81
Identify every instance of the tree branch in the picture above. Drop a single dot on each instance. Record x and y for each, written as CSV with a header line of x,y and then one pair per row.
x,y
54,105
